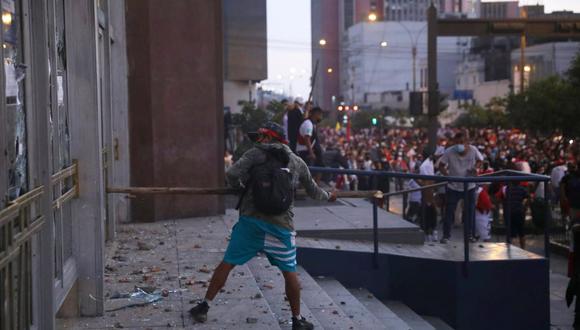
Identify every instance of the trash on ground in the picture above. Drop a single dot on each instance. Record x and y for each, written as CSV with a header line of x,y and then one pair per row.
x,y
139,297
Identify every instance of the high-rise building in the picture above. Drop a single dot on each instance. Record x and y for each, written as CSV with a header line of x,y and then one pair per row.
x,y
245,50
332,20
416,10
500,9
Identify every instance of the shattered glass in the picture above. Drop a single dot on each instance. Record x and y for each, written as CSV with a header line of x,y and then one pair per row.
x,y
15,72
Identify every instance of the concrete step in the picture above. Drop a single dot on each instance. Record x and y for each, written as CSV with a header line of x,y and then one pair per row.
x,y
379,310
437,323
329,315
271,282
359,314
415,321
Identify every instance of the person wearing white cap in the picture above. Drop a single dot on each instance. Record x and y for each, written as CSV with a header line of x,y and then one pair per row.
x,y
295,119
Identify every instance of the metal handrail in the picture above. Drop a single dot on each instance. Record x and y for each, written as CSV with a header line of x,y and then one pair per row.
x,y
498,177
408,191
64,174
521,176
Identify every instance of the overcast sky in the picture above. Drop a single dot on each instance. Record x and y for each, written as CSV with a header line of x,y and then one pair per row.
x,y
289,58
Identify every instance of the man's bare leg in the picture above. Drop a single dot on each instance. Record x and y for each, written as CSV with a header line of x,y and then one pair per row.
x,y
293,291
218,279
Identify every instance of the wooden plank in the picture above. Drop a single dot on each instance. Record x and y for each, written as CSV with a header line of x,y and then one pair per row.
x,y
217,191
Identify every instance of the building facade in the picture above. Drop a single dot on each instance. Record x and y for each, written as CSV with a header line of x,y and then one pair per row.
x,y
65,135
542,61
378,70
245,50
333,22
416,10
500,9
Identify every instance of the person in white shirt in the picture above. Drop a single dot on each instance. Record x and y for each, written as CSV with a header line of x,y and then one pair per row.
x,y
428,195
414,209
308,138
556,175
460,160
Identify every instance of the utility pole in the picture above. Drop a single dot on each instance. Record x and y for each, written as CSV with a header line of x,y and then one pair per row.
x,y
414,53
523,42
433,100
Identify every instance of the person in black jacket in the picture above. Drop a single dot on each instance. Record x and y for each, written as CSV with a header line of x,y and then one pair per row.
x,y
295,119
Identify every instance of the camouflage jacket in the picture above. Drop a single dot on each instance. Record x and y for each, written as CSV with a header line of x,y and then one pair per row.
x,y
238,176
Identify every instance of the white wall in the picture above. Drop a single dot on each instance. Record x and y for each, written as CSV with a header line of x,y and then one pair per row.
x,y
234,91
387,69
490,89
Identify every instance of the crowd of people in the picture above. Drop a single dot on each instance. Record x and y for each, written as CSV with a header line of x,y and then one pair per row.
x,y
405,150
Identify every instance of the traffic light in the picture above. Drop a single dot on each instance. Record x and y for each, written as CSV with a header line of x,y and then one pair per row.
x,y
374,121
345,119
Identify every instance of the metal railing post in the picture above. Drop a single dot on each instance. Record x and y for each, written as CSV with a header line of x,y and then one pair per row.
x,y
507,214
405,205
465,227
375,235
388,198
547,221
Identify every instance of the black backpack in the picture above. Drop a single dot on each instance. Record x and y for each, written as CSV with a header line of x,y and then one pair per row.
x,y
271,183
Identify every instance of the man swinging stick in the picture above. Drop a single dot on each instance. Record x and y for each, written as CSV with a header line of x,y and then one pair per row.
x,y
268,174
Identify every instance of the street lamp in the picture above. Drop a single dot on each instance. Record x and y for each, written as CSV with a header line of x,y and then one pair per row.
x,y
414,42
329,70
7,18
322,42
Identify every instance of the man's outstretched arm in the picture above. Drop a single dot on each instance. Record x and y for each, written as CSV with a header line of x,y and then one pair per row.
x,y
312,189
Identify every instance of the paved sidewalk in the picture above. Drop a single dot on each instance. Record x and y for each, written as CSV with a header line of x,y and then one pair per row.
x,y
175,259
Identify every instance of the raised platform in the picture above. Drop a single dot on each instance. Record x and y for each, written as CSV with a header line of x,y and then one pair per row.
x,y
503,287
352,219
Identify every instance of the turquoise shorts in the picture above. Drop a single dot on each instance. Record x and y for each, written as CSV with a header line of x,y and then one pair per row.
x,y
251,235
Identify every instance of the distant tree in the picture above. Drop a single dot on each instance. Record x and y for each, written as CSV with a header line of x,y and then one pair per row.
x,y
550,104
547,105
492,115
277,110
249,120
363,118
573,73
251,117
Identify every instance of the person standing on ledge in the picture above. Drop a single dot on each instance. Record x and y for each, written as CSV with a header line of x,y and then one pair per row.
x,y
459,160
268,174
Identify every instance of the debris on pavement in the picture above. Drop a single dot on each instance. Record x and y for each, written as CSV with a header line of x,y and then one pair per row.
x,y
137,298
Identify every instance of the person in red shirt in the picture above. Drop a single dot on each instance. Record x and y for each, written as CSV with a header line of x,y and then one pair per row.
x,y
483,209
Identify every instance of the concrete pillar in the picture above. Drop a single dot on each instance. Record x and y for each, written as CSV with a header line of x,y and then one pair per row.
x,y
176,104
88,211
119,158
40,167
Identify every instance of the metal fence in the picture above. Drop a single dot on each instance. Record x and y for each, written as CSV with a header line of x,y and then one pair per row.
x,y
502,177
19,222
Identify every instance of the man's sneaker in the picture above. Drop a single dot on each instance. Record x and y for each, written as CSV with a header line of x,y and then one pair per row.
x,y
301,324
444,241
199,312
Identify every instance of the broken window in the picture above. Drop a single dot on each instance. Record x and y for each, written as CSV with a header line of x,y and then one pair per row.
x,y
15,72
